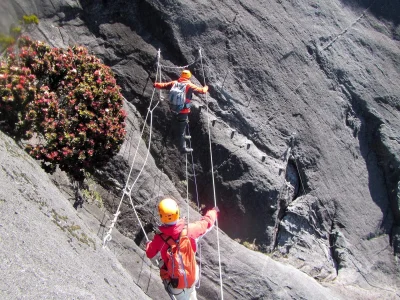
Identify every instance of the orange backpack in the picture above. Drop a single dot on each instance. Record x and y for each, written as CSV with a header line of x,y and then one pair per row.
x,y
182,261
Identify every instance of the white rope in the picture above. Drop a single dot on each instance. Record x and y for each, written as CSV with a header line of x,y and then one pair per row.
x,y
213,181
127,191
187,188
198,209
148,147
178,67
141,170
194,173
175,67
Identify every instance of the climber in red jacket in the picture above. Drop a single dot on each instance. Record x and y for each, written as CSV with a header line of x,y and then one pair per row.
x,y
182,115
171,227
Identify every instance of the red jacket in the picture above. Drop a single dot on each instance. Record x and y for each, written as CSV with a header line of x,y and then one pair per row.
x,y
195,231
190,88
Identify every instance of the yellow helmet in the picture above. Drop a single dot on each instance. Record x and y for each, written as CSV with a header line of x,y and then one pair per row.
x,y
186,74
168,210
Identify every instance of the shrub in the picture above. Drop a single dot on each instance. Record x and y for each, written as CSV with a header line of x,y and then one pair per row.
x,y
30,19
16,31
6,41
65,98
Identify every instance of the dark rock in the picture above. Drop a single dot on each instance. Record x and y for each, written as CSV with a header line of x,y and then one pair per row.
x,y
320,79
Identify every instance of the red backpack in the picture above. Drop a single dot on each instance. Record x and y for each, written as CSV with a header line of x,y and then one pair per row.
x,y
182,261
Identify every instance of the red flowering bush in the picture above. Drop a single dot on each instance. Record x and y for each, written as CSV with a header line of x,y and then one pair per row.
x,y
65,98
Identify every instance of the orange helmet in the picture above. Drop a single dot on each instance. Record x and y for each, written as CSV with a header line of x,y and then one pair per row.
x,y
168,210
186,74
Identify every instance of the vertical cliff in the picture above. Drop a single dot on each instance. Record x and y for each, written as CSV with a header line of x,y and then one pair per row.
x,y
305,135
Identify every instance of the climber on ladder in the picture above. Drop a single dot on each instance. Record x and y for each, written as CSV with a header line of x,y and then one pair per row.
x,y
180,96
177,244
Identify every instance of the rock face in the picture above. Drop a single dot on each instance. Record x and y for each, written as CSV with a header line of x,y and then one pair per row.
x,y
303,119
47,250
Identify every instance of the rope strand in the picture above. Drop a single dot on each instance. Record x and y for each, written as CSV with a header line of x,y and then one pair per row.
x,y
179,67
141,170
213,181
194,173
187,188
127,191
198,207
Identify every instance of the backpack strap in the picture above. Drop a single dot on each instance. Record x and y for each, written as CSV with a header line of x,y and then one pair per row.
x,y
167,239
